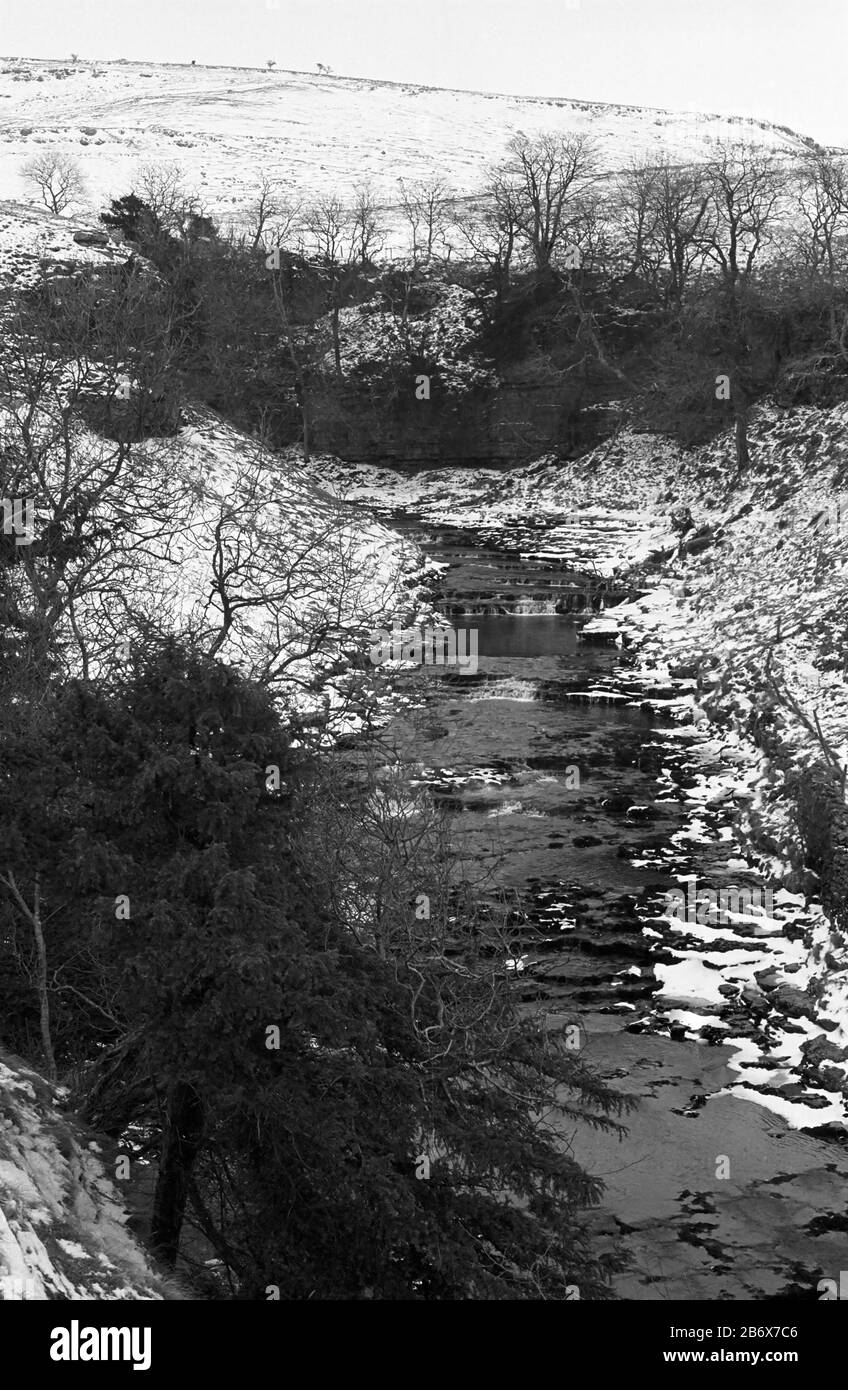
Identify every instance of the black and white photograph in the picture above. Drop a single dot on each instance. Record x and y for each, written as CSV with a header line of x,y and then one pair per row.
x,y
423,714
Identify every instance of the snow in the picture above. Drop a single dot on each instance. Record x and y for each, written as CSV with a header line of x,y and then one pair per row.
x,y
296,563
228,126
52,1181
721,604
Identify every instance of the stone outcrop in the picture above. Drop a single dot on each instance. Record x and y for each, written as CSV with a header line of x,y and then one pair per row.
x,y
63,1231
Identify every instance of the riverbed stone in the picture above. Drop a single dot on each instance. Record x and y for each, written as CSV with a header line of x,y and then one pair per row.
x,y
767,979
831,1078
781,1180
821,1049
794,1002
91,237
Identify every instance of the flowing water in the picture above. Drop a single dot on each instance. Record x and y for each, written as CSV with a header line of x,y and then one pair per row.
x,y
578,795
550,770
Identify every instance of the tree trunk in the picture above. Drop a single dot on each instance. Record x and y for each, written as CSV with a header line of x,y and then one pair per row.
x,y
33,916
743,457
180,1144
43,998
337,346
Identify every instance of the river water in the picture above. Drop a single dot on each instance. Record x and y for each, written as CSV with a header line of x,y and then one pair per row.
x,y
573,789
550,771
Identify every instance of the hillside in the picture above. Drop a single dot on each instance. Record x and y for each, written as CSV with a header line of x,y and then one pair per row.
x,y
266,470
228,126
211,501
63,1231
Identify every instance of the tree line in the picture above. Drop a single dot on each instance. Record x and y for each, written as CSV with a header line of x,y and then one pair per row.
x,y
251,959
648,283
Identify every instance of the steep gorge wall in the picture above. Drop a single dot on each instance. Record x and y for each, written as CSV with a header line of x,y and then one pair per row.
x,y
63,1231
511,424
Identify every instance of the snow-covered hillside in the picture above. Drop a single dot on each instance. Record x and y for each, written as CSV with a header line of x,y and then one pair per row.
x,y
229,126
63,1231
226,501
35,245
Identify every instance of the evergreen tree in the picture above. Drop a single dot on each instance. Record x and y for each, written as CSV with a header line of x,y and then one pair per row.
x,y
343,1111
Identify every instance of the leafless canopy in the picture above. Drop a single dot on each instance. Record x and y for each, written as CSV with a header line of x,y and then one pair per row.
x,y
58,179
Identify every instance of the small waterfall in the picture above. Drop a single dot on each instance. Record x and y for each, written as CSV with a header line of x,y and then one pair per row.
x,y
562,600
540,606
595,697
511,688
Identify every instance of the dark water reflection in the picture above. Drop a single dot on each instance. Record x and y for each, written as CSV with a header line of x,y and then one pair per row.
x,y
523,636
500,750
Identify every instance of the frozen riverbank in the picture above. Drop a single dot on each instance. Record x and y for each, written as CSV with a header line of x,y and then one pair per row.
x,y
729,1031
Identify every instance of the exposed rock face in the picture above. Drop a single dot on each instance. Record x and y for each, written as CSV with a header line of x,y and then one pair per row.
x,y
513,424
63,1231
87,237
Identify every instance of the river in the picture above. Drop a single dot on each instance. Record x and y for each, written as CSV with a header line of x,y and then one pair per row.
x,y
578,792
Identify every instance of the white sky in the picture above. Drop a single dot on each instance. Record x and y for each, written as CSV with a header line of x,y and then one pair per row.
x,y
781,60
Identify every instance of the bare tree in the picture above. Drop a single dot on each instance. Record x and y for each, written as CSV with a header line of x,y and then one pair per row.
x,y
100,507
271,217
328,228
58,179
163,185
822,200
425,204
343,239
665,213
636,202
368,232
280,597
777,684
549,173
684,220
135,540
491,227
745,186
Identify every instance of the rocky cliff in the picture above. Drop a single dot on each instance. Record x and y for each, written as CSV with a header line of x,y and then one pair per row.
x,y
63,1231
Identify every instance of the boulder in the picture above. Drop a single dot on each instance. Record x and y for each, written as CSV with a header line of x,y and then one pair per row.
x,y
767,979
91,238
821,1049
756,1001
793,1001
